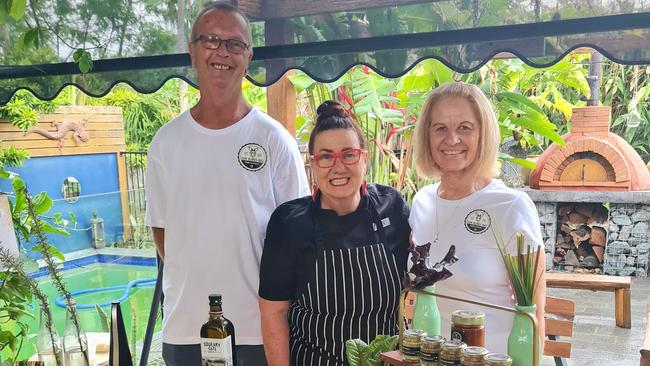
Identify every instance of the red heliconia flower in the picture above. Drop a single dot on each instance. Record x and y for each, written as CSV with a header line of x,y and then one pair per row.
x,y
346,98
392,130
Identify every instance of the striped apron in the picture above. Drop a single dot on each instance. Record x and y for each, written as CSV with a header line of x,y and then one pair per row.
x,y
352,293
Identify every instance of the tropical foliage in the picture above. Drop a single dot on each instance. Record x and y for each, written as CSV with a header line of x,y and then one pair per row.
x,y
387,109
29,218
627,89
359,353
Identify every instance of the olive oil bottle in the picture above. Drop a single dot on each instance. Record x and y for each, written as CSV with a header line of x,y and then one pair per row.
x,y
217,337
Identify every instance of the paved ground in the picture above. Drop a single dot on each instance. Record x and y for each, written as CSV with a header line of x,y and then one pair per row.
x,y
596,339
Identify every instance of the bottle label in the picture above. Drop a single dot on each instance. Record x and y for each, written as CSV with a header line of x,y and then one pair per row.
x,y
216,352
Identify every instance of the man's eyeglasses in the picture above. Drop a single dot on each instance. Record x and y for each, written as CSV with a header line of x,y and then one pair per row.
x,y
328,159
213,42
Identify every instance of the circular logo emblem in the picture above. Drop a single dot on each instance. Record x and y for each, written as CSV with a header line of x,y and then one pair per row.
x,y
457,336
252,157
477,221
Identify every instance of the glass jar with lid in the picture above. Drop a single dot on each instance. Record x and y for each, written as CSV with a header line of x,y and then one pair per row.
x,y
497,359
430,350
468,327
410,346
473,356
450,353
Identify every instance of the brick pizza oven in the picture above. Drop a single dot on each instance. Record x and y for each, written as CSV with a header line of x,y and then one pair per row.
x,y
593,159
593,199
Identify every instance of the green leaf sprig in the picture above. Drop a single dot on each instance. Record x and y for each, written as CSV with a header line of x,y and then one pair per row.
x,y
522,268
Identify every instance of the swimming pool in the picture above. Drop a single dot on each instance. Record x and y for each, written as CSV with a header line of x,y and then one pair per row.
x,y
96,275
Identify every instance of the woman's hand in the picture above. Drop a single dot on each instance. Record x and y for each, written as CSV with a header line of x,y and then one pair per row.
x,y
275,331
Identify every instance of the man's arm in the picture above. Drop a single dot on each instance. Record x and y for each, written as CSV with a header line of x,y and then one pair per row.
x,y
275,331
159,239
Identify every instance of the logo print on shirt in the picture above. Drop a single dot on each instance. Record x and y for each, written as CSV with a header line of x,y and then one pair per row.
x,y
477,221
252,157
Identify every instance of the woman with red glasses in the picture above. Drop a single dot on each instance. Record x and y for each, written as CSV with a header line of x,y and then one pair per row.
x,y
332,263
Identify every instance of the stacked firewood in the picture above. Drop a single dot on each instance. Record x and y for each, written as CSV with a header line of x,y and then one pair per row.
x,y
581,235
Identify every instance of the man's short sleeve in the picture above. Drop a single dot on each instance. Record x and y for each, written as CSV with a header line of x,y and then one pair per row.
x,y
289,177
278,266
154,188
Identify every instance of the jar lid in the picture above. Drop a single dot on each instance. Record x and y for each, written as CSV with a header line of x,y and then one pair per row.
x,y
436,339
475,351
468,317
454,345
497,359
414,333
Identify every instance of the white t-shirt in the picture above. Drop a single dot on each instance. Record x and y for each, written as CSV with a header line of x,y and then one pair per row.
x,y
213,192
479,273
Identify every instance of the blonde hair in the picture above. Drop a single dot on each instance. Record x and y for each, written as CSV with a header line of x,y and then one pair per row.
x,y
485,164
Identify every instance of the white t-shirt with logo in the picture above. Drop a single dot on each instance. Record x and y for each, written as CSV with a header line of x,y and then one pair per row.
x,y
479,273
213,192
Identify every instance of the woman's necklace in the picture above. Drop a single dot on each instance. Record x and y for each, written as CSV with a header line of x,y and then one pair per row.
x,y
435,240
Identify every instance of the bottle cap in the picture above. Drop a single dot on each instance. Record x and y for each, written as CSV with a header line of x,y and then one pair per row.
x,y
215,299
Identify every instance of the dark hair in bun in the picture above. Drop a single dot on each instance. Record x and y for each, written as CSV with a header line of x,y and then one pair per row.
x,y
333,116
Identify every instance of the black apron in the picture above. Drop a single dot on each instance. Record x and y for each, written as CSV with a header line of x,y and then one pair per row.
x,y
352,293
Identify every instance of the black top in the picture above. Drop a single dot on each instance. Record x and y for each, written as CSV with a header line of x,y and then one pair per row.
x,y
289,255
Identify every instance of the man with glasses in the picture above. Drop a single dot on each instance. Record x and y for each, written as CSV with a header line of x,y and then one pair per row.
x,y
214,176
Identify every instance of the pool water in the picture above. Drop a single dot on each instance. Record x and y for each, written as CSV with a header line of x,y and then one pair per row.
x,y
135,308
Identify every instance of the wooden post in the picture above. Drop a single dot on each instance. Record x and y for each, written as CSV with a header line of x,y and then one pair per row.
x,y
124,194
623,307
280,96
281,103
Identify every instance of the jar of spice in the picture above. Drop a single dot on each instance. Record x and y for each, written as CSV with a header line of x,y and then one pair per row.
x,y
450,353
468,327
430,350
410,346
497,359
473,356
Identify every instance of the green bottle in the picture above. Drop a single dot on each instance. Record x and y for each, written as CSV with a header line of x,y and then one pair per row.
x,y
426,315
520,341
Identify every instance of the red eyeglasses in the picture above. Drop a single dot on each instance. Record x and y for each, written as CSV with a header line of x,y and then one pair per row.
x,y
328,159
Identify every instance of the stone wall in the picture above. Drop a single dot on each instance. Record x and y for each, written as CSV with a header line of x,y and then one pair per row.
x,y
548,221
628,247
627,252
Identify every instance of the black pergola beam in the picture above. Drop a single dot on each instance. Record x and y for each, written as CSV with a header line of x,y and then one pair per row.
x,y
407,41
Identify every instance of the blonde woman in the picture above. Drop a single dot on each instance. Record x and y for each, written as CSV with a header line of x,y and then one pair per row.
x,y
456,141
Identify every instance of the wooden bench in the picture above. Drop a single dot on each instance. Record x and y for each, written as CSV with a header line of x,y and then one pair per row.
x,y
645,348
558,320
580,281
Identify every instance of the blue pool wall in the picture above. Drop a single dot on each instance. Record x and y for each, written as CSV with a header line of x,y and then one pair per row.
x,y
98,178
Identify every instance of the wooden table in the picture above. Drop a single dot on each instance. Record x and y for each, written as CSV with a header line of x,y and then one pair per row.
x,y
395,358
619,285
